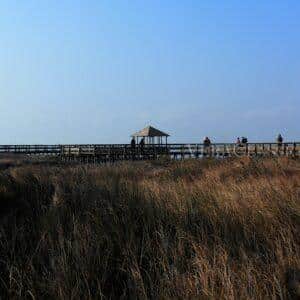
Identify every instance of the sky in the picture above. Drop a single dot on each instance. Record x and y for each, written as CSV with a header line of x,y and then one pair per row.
x,y
96,71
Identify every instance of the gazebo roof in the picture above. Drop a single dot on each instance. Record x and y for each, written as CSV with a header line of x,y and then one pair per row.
x,y
149,131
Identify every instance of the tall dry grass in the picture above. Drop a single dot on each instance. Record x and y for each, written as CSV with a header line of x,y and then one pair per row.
x,y
162,230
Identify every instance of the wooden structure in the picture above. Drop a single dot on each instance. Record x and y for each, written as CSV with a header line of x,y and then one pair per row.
x,y
151,136
116,152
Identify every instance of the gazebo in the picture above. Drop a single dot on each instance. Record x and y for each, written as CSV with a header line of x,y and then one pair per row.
x,y
151,135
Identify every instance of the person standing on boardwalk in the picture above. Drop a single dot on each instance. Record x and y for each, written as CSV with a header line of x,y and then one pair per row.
x,y
133,144
279,140
206,144
279,143
142,145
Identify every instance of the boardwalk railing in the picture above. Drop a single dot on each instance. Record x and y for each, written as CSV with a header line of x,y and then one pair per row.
x,y
103,152
232,149
30,149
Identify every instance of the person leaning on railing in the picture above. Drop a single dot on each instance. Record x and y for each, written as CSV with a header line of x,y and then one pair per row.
x,y
244,140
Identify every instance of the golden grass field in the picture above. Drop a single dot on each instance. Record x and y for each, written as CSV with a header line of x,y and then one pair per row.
x,y
194,229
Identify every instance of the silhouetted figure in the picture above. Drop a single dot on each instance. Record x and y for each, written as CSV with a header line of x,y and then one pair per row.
x,y
238,141
244,140
142,145
279,140
279,143
206,142
132,143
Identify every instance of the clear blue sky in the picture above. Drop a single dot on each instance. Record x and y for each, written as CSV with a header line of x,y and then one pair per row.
x,y
95,71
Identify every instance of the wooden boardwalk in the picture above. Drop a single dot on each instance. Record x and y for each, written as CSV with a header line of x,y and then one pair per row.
x,y
117,152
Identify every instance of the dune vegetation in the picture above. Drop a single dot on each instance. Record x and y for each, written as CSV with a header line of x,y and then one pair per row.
x,y
203,229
